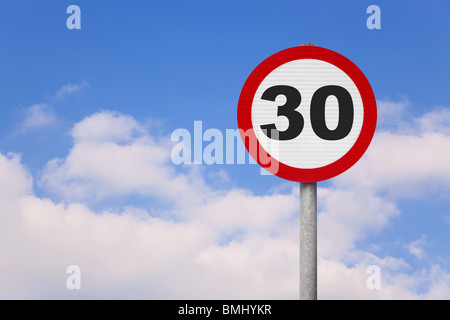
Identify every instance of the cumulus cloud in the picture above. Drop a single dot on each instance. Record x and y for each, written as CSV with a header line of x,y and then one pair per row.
x,y
349,215
416,247
43,114
363,201
392,114
402,164
215,243
68,89
219,243
437,121
107,126
112,155
132,254
38,115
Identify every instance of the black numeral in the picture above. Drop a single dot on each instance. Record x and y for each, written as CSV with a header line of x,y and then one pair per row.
x,y
318,104
296,121
345,122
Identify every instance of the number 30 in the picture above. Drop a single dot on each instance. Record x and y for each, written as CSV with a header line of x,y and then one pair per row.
x,y
317,114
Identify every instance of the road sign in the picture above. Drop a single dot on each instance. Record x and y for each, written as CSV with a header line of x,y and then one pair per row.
x,y
309,110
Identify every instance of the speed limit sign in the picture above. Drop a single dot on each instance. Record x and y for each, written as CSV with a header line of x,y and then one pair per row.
x,y
310,110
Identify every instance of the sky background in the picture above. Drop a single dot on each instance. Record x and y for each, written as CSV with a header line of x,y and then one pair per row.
x,y
86,176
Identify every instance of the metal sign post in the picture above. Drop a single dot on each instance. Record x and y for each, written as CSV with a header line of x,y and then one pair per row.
x,y
308,241
308,236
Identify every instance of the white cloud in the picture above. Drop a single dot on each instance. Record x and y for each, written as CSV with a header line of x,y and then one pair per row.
x,y
416,247
392,113
437,121
218,249
339,281
69,89
113,156
349,215
107,126
403,164
38,115
42,114
215,243
15,180
362,201
130,254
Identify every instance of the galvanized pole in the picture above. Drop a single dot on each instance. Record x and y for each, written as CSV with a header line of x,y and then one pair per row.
x,y
308,241
308,237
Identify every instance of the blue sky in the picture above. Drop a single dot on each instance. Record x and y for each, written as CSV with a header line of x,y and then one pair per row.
x,y
85,123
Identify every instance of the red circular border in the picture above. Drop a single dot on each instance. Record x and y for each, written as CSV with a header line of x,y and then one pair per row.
x,y
244,113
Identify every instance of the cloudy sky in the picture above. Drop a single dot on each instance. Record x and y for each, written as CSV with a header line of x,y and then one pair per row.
x,y
87,179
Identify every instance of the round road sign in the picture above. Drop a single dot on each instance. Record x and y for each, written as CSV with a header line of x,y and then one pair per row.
x,y
307,114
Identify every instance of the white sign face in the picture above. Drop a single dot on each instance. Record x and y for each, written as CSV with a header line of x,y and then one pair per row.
x,y
306,150
311,110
